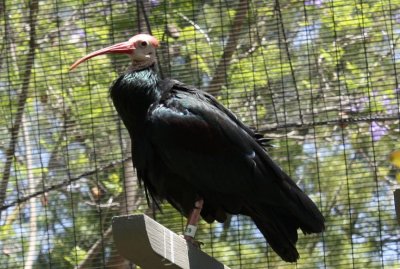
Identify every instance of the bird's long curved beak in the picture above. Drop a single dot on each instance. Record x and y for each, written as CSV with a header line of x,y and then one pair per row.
x,y
124,48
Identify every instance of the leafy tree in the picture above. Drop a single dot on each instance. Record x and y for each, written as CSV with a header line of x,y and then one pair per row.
x,y
319,77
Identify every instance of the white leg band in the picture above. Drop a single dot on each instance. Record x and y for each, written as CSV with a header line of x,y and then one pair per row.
x,y
190,230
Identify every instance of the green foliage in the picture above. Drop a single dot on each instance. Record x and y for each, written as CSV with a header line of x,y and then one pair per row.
x,y
313,75
77,255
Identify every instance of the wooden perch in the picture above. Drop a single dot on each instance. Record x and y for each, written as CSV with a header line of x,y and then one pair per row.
x,y
150,245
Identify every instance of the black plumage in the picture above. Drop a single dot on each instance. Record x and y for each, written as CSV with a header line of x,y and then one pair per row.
x,y
188,148
187,145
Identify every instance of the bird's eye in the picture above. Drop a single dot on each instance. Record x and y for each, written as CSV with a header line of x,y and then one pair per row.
x,y
143,44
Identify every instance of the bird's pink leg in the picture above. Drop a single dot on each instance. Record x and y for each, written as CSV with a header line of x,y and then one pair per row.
x,y
193,220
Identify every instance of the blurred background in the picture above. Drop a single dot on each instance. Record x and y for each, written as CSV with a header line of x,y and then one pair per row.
x,y
318,77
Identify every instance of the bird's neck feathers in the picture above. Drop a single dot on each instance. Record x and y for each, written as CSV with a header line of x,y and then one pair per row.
x,y
133,93
141,64
144,81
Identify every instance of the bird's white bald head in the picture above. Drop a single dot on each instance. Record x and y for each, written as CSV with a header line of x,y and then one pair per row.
x,y
144,53
141,49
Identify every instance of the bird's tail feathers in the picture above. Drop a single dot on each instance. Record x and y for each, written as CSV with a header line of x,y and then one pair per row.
x,y
279,226
296,201
308,216
280,233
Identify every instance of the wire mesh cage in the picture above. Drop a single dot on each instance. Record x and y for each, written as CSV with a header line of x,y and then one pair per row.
x,y
319,78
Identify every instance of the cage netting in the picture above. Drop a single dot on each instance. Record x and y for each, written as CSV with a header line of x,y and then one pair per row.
x,y
317,77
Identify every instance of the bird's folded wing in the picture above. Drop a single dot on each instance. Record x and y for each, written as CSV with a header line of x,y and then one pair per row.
x,y
207,145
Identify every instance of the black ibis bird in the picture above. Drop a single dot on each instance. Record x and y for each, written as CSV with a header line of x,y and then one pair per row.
x,y
193,152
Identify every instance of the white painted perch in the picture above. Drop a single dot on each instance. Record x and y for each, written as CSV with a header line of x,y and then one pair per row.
x,y
150,245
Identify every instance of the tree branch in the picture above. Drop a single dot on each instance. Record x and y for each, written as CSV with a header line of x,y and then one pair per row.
x,y
63,183
33,211
196,26
274,127
130,200
95,249
33,11
221,70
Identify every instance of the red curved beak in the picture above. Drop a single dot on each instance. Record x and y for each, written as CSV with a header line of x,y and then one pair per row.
x,y
124,48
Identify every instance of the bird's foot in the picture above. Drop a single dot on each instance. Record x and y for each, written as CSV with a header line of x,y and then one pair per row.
x,y
193,241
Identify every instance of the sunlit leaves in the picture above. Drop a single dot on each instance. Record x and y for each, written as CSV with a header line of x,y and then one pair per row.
x,y
394,158
76,256
329,60
113,184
